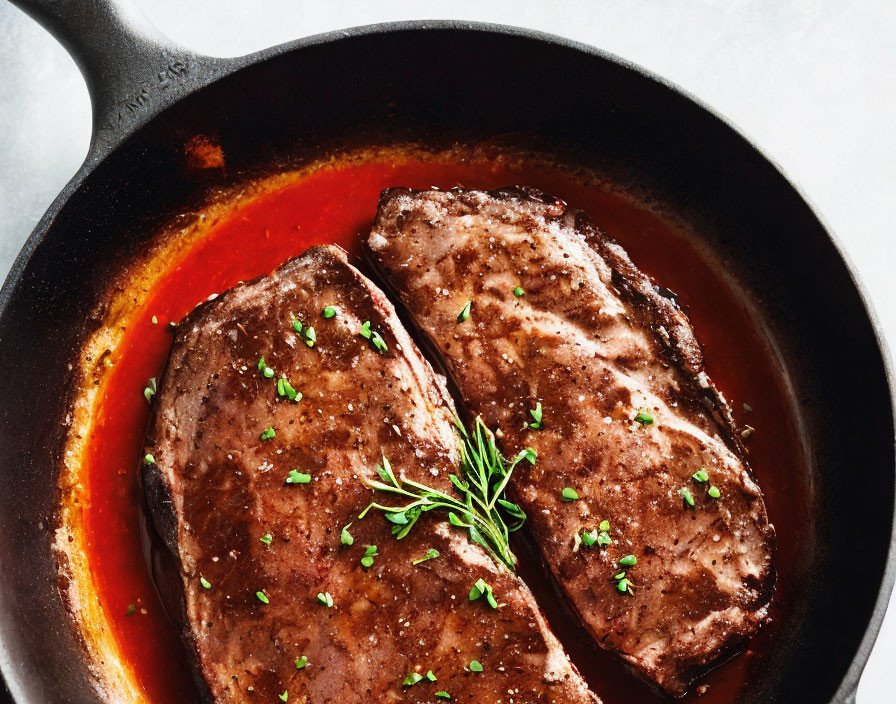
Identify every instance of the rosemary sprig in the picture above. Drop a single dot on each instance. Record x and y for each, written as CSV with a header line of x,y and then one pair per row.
x,y
478,506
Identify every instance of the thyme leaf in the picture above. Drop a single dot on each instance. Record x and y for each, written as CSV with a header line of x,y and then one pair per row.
x,y
477,506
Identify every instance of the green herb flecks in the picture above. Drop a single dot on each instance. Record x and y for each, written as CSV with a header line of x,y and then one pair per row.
x,y
265,370
412,679
569,494
150,390
376,340
285,696
345,537
329,312
370,552
465,312
431,554
325,599
267,538
204,582
302,662
701,476
155,320
443,695
686,496
644,418
476,666
262,597
148,459
629,561
624,584
481,588
714,492
306,332
536,414
519,292
477,507
267,434
285,390
297,477
131,610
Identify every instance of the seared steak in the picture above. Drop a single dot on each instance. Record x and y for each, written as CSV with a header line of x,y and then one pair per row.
x,y
556,339
249,487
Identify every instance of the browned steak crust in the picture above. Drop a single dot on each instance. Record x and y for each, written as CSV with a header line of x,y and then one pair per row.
x,y
593,341
215,491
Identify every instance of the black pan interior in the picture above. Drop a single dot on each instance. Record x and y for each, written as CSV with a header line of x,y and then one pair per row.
x,y
438,86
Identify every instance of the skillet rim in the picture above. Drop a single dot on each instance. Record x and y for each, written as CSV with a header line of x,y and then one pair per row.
x,y
218,68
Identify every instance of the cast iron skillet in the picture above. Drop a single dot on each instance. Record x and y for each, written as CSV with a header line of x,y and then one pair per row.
x,y
436,82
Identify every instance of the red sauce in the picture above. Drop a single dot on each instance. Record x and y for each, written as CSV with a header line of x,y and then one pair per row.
x,y
337,205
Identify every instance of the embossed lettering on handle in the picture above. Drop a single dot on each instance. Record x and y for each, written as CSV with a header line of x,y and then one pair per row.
x,y
132,70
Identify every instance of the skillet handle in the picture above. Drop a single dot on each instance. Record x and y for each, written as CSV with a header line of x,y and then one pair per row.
x,y
132,70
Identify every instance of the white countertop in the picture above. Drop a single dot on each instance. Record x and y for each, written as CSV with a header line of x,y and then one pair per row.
x,y
810,81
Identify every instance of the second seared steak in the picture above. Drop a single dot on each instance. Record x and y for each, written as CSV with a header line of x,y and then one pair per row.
x,y
641,501
255,491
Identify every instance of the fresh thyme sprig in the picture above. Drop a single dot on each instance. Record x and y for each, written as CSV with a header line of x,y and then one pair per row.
x,y
479,507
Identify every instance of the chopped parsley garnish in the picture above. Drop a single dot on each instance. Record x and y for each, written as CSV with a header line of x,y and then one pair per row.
x,y
297,477
519,292
412,679
482,589
204,582
430,676
131,610
265,370
369,553
267,538
328,312
714,492
376,340
306,332
443,695
325,599
302,662
465,312
267,434
431,554
345,537
155,320
569,494
644,418
284,389
150,390
686,496
601,539
701,476
285,696
536,414
629,561
262,597
149,459
479,507
476,666
625,585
